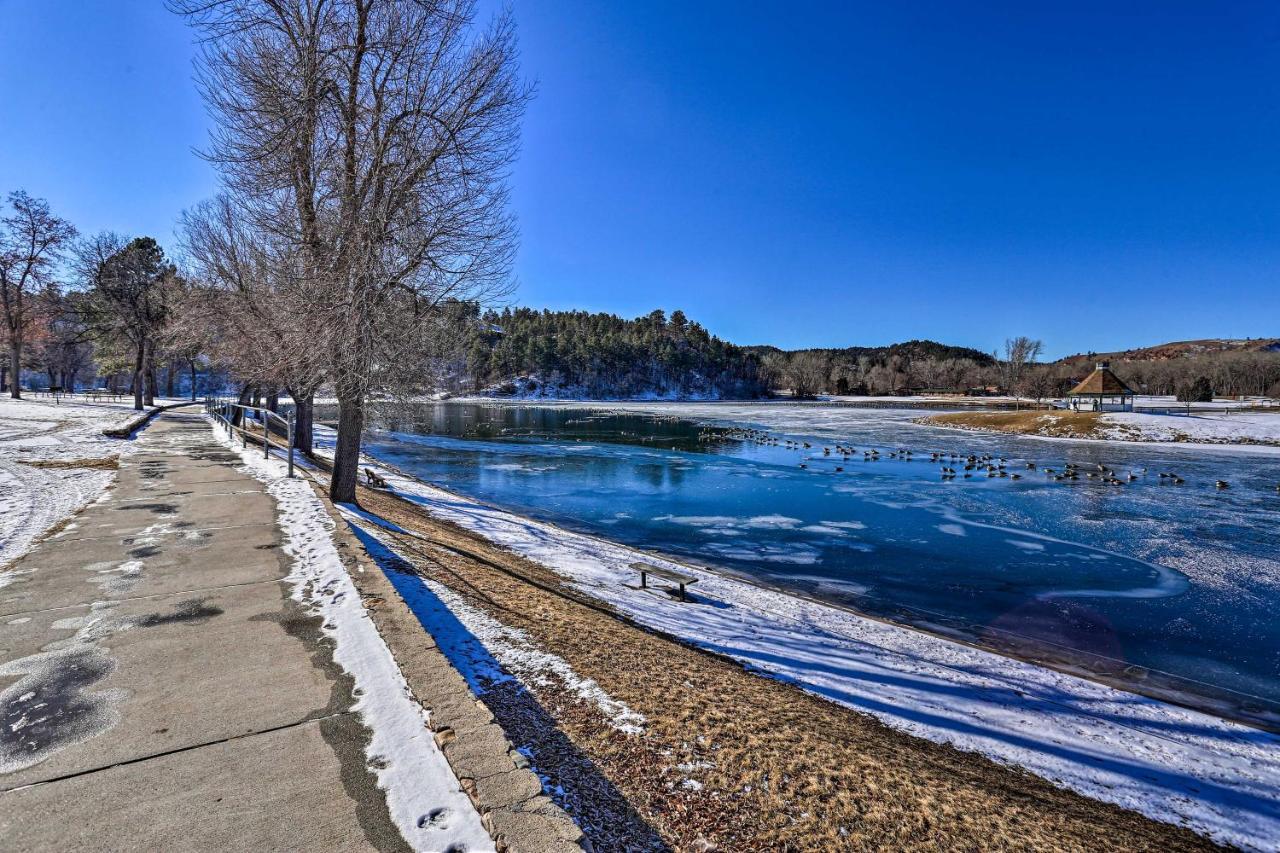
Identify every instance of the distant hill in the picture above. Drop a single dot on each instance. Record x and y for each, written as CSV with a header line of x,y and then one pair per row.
x,y
1178,349
907,350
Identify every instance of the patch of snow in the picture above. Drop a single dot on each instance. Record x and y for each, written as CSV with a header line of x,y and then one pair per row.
x,y
1201,427
81,661
32,499
847,525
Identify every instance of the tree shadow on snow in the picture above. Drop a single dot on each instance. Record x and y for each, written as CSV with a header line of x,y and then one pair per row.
x,y
568,775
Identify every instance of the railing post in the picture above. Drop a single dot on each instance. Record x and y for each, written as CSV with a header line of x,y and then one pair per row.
x,y
290,444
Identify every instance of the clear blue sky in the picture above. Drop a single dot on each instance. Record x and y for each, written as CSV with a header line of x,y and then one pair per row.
x,y
1098,175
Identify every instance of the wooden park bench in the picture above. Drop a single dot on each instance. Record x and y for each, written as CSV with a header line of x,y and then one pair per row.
x,y
666,574
374,479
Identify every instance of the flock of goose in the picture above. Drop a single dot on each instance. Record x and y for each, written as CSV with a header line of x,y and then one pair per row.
x,y
955,465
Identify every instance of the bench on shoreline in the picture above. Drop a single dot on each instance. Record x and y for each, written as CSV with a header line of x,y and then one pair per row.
x,y
666,574
374,479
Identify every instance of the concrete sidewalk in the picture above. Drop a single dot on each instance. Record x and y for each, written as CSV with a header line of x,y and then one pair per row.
x,y
158,687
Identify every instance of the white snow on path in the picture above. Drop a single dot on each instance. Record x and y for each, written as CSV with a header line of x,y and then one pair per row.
x,y
32,500
1172,764
424,798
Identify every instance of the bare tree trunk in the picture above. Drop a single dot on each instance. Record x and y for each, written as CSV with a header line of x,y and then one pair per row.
x,y
304,412
139,362
149,375
237,416
168,380
15,367
273,399
346,455
193,379
4,378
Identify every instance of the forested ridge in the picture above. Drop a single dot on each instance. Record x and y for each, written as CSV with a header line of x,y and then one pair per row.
x,y
523,350
529,352
915,350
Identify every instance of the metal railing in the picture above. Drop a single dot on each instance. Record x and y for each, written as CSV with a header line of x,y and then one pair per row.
x,y
223,412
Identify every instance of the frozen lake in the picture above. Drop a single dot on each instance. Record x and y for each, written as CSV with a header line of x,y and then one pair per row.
x,y
1169,588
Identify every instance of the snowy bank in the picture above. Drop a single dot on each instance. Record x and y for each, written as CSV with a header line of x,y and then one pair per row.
x,y
424,797
1206,427
1169,763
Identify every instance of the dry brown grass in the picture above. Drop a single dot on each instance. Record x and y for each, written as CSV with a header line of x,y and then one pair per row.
x,y
784,770
1058,424
106,463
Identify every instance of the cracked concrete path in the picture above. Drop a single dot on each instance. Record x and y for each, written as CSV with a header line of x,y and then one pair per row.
x,y
158,687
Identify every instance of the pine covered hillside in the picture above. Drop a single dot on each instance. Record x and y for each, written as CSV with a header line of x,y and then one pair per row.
x,y
581,354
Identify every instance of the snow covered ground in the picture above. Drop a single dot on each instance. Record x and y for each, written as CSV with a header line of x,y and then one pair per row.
x,y
424,797
1172,764
34,499
1220,426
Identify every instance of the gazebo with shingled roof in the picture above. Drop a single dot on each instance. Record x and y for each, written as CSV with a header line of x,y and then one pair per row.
x,y
1102,391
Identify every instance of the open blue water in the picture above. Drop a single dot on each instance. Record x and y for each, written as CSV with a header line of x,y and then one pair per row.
x,y
1181,581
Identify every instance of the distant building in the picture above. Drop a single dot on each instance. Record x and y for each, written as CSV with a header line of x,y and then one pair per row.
x,y
985,391
1101,391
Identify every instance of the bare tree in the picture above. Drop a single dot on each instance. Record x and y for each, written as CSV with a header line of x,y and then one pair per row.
x,y
1019,354
32,240
252,316
385,130
1040,381
807,373
64,348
